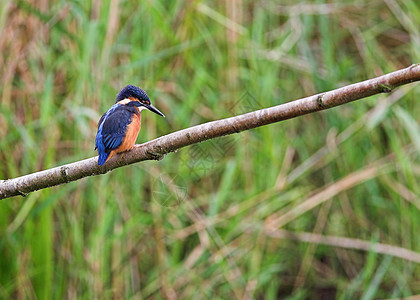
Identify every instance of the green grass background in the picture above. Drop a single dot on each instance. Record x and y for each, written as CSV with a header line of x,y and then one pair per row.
x,y
202,223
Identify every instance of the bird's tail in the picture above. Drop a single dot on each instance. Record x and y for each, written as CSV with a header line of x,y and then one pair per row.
x,y
102,158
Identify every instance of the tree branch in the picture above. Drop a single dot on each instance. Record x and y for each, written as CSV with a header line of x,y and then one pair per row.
x,y
158,148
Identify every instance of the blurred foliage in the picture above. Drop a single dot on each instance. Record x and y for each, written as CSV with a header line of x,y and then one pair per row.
x,y
195,225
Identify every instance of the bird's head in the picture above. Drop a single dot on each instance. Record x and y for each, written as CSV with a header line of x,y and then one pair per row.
x,y
135,96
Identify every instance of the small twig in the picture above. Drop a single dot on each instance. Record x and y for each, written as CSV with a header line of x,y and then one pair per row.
x,y
157,148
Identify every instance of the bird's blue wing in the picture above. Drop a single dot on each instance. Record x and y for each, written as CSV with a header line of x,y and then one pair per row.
x,y
114,127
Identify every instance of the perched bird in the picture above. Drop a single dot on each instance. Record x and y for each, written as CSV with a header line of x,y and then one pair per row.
x,y
119,127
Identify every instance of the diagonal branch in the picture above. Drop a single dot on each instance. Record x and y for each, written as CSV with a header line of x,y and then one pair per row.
x,y
159,147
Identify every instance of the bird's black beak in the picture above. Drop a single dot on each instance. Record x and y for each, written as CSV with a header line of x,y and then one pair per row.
x,y
149,107
154,109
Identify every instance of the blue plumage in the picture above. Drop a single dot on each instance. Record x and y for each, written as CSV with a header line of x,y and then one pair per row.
x,y
115,123
111,130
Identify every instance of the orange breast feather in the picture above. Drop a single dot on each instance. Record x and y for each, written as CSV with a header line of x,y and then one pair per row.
x,y
130,138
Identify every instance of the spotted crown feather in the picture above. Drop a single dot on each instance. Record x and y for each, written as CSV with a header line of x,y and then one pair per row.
x,y
132,91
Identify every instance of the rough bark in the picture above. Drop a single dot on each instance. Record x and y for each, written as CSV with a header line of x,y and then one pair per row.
x,y
161,146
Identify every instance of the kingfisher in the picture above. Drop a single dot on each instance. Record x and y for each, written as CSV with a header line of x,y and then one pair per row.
x,y
119,127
